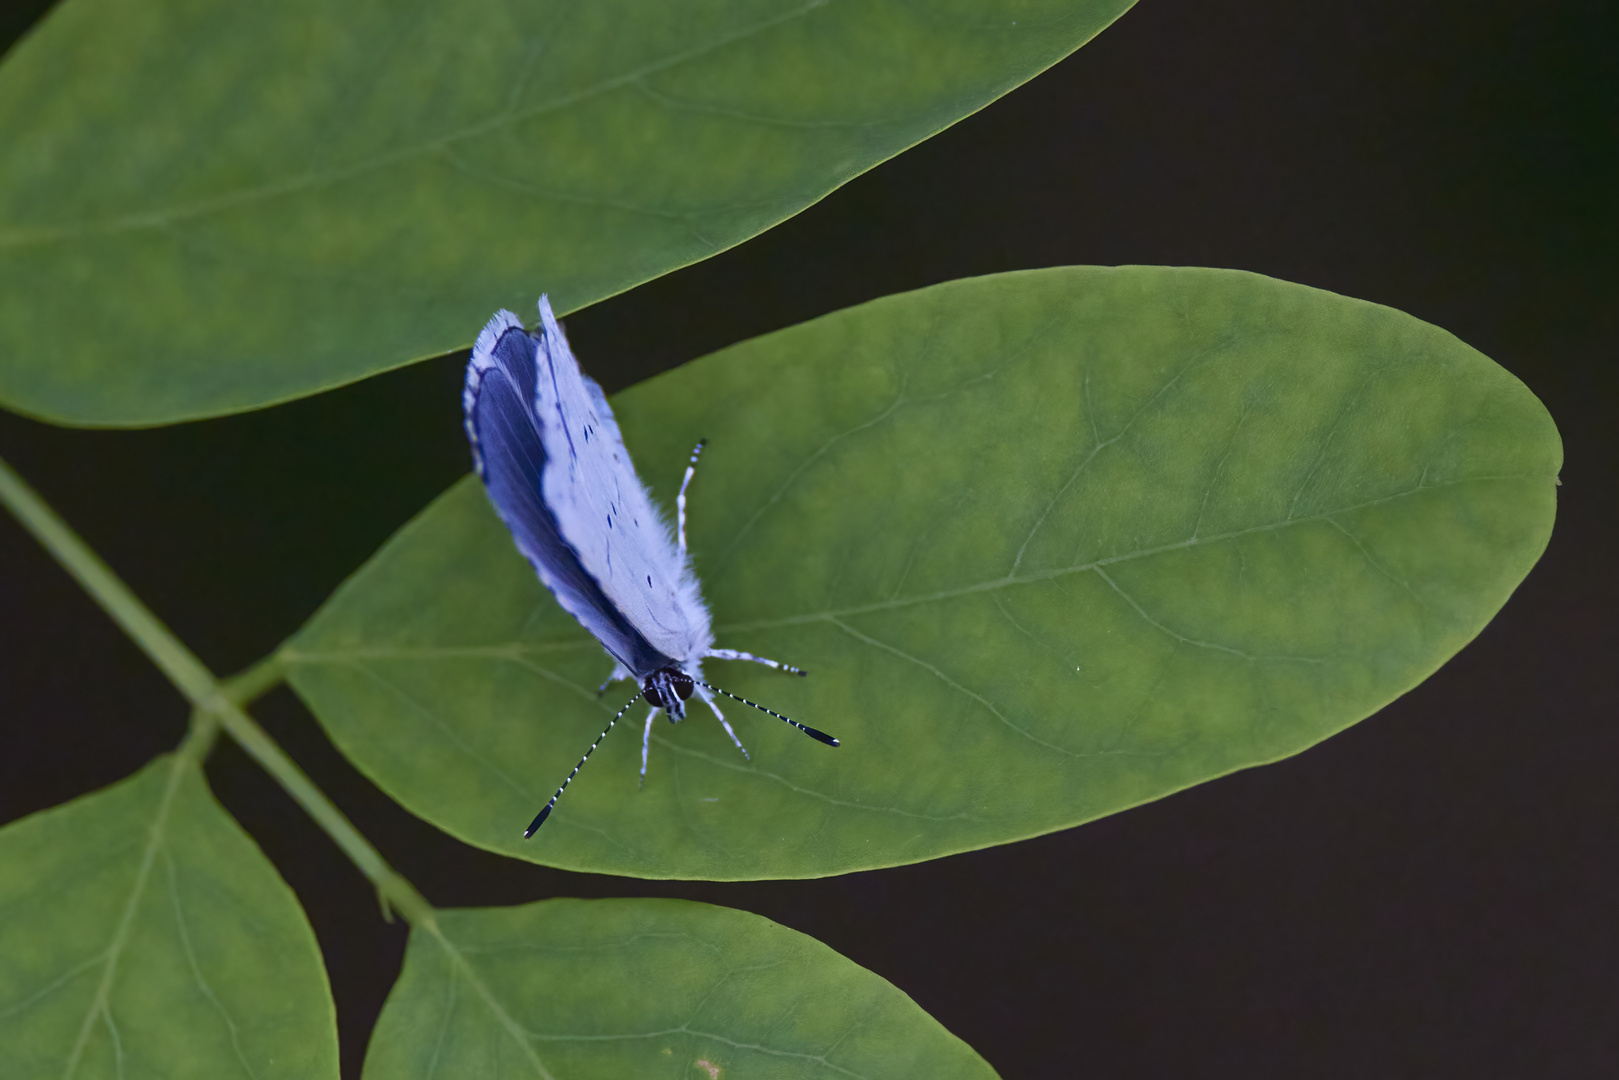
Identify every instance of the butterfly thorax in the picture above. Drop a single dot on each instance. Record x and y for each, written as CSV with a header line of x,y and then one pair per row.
x,y
667,689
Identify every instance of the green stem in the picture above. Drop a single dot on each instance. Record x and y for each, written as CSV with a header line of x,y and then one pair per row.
x,y
200,738
245,687
394,889
215,704
182,667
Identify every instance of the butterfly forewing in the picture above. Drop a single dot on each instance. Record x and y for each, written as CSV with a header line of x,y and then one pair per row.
x,y
603,511
510,455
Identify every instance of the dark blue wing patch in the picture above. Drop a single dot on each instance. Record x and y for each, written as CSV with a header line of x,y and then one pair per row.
x,y
510,457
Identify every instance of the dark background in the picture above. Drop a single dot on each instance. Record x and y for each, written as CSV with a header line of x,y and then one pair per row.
x,y
1432,893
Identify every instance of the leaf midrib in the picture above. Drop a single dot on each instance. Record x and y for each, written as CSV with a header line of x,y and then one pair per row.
x,y
524,1037
120,938
516,649
1009,580
162,217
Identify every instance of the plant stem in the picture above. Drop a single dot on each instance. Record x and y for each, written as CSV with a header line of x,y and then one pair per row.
x,y
200,737
182,667
213,702
393,888
245,687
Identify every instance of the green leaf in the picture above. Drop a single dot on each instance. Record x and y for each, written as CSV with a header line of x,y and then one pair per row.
x,y
1051,544
618,988
143,934
208,207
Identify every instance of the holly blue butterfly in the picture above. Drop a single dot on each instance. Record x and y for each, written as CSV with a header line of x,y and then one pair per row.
x,y
549,452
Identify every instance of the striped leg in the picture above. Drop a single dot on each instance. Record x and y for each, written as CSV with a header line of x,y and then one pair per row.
x,y
726,724
680,500
737,654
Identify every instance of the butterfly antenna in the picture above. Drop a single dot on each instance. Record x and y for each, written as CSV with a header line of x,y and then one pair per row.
x,y
539,819
811,732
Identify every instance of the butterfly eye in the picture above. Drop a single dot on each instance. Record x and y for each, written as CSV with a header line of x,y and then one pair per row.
x,y
681,683
654,695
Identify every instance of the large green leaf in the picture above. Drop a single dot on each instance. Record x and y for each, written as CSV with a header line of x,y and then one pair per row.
x,y
620,988
143,934
1051,544
211,207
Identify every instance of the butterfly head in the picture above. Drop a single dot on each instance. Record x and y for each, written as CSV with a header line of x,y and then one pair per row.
x,y
667,689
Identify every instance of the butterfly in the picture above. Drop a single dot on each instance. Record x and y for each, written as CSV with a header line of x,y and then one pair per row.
x,y
549,452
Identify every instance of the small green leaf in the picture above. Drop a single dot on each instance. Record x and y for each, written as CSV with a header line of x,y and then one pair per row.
x,y
143,934
1051,544
619,988
209,207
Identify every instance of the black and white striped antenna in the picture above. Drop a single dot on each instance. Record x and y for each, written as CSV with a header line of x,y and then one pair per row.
x,y
539,818
811,732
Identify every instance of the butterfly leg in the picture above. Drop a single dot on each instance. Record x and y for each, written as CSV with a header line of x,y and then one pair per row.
x,y
737,654
680,500
724,723
646,744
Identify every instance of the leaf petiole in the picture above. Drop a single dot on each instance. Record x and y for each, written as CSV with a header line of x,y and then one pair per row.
x,y
216,704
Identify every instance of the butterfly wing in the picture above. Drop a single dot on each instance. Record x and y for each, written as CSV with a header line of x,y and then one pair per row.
x,y
603,511
510,454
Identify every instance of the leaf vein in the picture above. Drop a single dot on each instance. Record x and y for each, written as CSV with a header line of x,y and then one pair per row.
x,y
816,455
99,1005
196,970
54,984
449,733
1374,562
755,771
1344,409
1100,446
1080,568
516,1031
556,194
675,104
1219,469
161,217
1198,642
948,681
